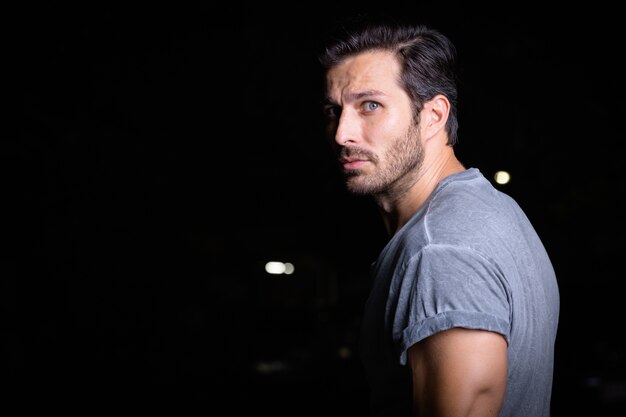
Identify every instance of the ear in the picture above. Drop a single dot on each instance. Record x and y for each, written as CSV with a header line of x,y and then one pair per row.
x,y
434,117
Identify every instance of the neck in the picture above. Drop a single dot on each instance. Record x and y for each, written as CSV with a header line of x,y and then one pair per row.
x,y
397,208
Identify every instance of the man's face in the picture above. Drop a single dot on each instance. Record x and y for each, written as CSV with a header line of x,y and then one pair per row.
x,y
371,121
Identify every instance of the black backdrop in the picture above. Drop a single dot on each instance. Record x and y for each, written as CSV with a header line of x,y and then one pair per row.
x,y
165,153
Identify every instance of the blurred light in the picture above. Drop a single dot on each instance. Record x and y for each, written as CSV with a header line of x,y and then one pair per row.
x,y
263,367
502,177
276,268
344,352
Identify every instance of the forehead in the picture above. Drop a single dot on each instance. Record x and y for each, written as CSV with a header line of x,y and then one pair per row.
x,y
372,70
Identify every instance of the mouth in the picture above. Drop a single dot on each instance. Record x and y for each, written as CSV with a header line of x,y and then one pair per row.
x,y
352,163
352,159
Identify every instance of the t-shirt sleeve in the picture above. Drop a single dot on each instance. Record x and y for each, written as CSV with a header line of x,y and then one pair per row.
x,y
444,287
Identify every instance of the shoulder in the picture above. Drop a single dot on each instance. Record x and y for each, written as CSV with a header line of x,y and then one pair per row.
x,y
467,208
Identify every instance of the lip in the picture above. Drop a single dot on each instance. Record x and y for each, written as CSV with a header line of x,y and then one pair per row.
x,y
350,163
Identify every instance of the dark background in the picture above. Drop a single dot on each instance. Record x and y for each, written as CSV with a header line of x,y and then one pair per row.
x,y
165,153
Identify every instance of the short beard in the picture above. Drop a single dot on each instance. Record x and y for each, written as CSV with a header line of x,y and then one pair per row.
x,y
398,171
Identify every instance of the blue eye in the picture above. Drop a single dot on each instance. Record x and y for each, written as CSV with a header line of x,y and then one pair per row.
x,y
370,105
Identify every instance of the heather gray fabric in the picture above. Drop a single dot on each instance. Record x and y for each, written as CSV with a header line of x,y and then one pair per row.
x,y
468,258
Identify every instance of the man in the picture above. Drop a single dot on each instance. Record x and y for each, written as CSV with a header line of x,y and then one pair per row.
x,y
463,310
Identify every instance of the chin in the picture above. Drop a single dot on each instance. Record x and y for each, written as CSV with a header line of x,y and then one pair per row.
x,y
360,186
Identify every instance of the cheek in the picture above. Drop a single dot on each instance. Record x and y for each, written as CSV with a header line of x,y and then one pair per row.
x,y
387,129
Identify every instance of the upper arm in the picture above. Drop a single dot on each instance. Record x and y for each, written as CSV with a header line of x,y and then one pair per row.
x,y
459,372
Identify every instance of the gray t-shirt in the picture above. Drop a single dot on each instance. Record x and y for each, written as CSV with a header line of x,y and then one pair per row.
x,y
468,258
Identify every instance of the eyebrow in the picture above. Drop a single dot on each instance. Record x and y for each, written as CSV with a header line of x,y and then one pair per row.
x,y
356,96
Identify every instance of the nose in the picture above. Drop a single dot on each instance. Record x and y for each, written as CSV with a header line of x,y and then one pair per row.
x,y
346,129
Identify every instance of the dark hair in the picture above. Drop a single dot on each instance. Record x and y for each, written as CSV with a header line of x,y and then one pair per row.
x,y
427,58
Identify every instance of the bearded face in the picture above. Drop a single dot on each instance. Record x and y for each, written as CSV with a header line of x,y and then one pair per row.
x,y
372,122
395,169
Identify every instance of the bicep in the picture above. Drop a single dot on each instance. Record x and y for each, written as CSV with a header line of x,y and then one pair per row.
x,y
459,372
